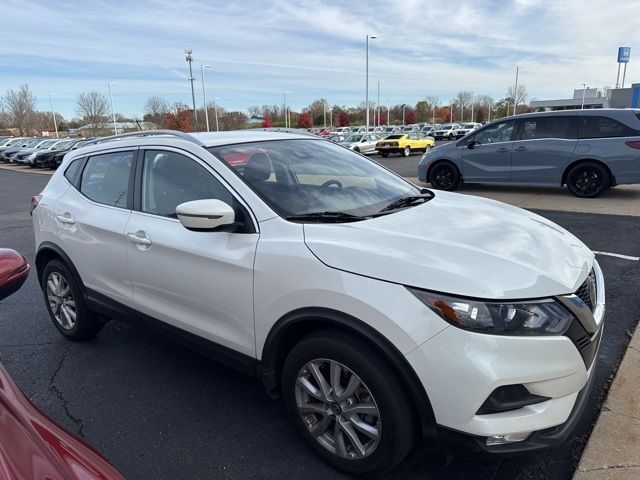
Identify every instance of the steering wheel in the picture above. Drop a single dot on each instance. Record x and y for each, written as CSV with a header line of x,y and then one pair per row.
x,y
328,183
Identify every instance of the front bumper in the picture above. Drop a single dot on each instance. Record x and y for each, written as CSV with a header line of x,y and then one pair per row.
x,y
461,370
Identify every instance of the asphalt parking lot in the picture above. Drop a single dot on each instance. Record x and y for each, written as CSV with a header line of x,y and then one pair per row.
x,y
159,411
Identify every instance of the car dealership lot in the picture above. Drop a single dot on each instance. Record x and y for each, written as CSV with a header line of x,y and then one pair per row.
x,y
157,410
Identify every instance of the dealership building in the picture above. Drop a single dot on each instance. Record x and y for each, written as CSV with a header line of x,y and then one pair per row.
x,y
594,98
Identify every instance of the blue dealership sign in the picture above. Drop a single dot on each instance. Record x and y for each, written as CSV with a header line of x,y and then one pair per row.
x,y
624,53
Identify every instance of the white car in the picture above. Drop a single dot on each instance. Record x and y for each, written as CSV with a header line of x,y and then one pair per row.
x,y
466,128
342,130
380,311
361,143
446,132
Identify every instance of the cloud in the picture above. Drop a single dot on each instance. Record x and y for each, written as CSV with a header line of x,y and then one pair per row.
x,y
260,48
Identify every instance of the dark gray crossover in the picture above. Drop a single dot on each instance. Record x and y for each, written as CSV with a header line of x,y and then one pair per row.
x,y
586,150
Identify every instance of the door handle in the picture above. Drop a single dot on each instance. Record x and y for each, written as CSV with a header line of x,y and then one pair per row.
x,y
66,218
522,149
139,240
502,150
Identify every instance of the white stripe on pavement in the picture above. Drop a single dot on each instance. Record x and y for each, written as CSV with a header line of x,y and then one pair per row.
x,y
617,255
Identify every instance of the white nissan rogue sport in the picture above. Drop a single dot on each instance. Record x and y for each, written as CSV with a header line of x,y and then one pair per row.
x,y
380,311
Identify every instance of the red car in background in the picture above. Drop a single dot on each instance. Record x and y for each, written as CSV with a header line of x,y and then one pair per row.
x,y
32,446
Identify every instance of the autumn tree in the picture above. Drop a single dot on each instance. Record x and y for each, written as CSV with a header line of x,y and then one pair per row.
x,y
305,120
423,111
231,120
410,117
343,119
21,106
93,108
267,121
179,117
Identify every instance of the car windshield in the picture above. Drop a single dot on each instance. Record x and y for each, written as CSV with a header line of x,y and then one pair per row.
x,y
302,177
32,143
353,138
469,125
62,145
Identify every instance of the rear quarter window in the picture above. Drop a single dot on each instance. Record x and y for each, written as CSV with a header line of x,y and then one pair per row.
x,y
599,126
72,170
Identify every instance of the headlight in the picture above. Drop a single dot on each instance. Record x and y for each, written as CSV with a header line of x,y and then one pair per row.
x,y
530,317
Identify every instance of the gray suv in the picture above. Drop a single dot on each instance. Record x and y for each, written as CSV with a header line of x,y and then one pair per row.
x,y
586,150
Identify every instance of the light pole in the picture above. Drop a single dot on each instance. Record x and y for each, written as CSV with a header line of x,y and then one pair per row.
x,y
515,92
451,111
204,96
404,107
584,88
473,97
378,104
113,112
189,59
388,112
433,120
489,108
366,101
324,113
286,123
53,113
215,111
461,112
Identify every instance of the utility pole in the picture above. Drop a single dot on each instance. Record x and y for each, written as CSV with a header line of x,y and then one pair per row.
x,y
113,112
53,114
404,107
204,96
189,58
366,97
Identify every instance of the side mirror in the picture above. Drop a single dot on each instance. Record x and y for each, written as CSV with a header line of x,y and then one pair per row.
x,y
207,215
471,144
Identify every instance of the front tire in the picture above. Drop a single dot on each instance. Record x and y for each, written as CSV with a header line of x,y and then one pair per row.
x,y
444,176
65,303
348,403
588,179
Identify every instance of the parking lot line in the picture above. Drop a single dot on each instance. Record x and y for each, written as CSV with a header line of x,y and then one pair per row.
x,y
617,255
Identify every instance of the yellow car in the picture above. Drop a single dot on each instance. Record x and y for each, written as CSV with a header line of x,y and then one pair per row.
x,y
404,144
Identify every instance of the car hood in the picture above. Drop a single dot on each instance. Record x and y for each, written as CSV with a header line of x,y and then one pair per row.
x,y
458,244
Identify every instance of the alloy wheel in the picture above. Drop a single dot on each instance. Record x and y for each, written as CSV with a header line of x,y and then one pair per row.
x,y
443,177
338,409
587,180
61,301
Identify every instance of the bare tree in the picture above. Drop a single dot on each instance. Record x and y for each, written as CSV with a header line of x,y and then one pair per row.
x,y
520,96
21,105
155,109
93,108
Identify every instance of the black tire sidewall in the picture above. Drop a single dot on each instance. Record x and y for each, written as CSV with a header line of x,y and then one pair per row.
x,y
87,323
605,175
456,172
397,431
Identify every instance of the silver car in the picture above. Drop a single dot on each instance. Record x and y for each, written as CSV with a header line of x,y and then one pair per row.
x,y
362,143
586,150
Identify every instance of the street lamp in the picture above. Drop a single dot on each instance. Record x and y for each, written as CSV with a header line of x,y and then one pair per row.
x,y
53,113
433,120
366,101
584,88
189,59
215,111
404,106
113,112
515,92
388,112
451,111
473,97
378,104
286,122
204,97
324,113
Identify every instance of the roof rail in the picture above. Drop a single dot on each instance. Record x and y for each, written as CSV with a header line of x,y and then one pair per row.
x,y
148,133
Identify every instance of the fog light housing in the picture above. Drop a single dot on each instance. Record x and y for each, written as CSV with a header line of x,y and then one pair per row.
x,y
507,438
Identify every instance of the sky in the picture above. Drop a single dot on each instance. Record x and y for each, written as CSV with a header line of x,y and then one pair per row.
x,y
259,49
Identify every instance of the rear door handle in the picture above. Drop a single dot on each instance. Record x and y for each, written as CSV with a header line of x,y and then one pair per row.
x,y
522,149
139,238
66,218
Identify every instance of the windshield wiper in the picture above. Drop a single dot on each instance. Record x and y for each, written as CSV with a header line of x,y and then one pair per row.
x,y
326,217
408,201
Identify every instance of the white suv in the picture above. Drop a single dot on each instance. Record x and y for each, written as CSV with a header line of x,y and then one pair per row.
x,y
382,312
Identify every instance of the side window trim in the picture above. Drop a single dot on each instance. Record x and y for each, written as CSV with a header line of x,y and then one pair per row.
x,y
85,160
138,174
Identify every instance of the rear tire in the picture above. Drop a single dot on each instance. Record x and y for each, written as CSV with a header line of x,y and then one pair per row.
x,y
406,151
384,154
588,179
384,409
65,303
444,176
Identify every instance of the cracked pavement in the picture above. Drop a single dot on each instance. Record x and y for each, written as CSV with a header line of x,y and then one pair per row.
x,y
159,411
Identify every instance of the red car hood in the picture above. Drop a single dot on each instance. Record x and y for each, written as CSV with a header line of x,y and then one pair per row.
x,y
33,447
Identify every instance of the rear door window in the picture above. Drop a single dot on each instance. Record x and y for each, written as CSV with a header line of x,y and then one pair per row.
x,y
105,178
593,126
549,127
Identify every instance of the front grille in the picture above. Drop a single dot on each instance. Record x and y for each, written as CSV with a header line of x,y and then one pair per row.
x,y
587,291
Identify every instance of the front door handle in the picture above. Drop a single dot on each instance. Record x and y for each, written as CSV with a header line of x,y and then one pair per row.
x,y
502,150
139,238
522,149
66,218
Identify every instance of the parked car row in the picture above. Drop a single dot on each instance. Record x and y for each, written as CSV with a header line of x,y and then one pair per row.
x,y
38,151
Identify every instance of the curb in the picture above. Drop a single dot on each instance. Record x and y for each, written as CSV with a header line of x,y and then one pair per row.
x,y
613,449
